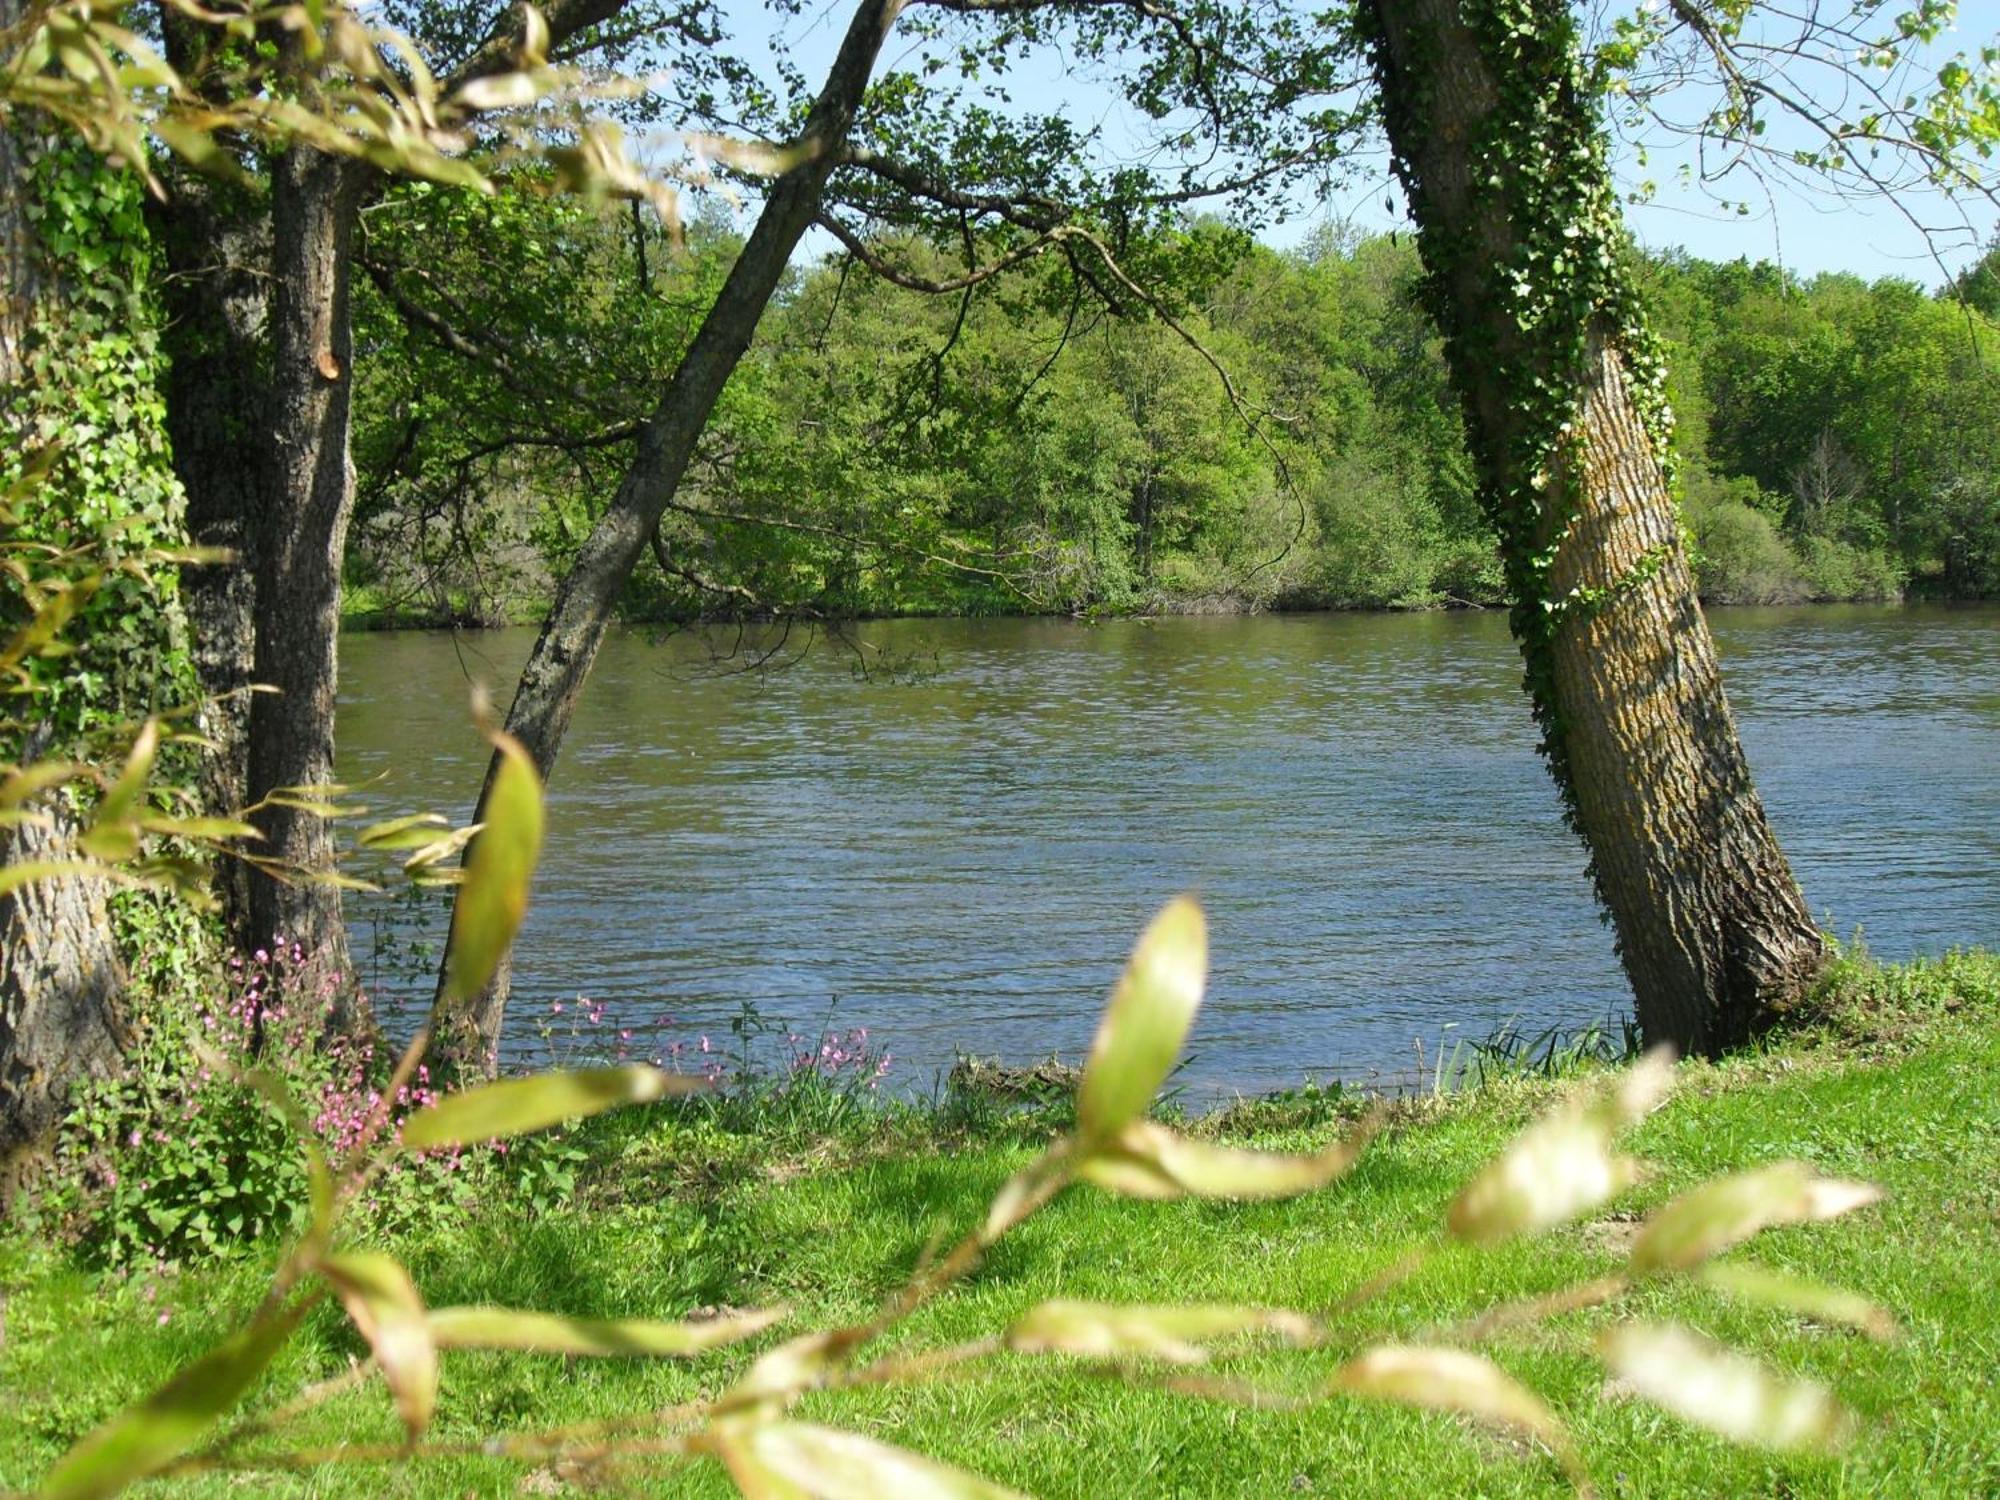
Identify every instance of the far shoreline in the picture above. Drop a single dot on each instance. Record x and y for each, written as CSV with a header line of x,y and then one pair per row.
x,y
376,622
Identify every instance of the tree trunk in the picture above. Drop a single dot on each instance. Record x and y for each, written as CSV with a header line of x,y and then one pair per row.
x,y
62,986
1498,143
216,245
60,976
468,1035
300,537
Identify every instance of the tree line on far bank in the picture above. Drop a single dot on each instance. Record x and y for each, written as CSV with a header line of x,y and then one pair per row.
x,y
1289,440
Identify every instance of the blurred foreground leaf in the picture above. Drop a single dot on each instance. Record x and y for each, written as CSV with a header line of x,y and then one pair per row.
x,y
1562,1166
1455,1381
1723,1391
145,1438
1809,1299
1145,1022
494,896
386,1308
1706,1220
1095,1330
548,1333
832,1465
1150,1161
520,1105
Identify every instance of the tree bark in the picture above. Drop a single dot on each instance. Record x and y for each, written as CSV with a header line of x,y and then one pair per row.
x,y
61,979
1711,927
300,538
217,250
62,986
259,397
468,1030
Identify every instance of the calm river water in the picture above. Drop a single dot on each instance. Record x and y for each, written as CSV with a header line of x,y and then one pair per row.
x,y
959,847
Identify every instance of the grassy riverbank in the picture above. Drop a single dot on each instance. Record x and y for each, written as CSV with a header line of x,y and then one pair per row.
x,y
1897,1082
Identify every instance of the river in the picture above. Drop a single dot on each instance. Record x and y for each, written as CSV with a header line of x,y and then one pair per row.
x,y
948,832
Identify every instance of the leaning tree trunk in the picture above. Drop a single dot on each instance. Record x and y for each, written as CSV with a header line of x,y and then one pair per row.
x,y
300,536
1498,142
60,976
468,1029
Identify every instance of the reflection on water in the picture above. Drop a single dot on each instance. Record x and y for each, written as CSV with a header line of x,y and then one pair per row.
x,y
958,847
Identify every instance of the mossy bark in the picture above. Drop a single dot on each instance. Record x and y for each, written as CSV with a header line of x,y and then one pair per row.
x,y
216,246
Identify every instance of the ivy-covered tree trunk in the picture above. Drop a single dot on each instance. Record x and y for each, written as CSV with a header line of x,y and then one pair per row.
x,y
1497,138
61,978
468,1032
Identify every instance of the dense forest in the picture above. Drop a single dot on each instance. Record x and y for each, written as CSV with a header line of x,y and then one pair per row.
x,y
1282,435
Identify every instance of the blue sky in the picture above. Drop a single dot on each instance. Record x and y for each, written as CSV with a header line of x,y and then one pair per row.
x,y
1808,231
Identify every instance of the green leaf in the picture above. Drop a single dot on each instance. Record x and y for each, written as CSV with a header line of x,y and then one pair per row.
x,y
386,1308
1810,1299
1725,1392
1558,1168
1455,1381
494,897
520,1105
145,1438
798,1364
29,781
1095,1330
1151,1008
832,1465
123,798
1708,1219
1147,1160
1562,1166
433,850
413,832
12,877
550,1333
49,620
730,1442
200,828
199,149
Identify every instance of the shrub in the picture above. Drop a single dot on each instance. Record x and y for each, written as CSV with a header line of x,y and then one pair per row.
x,y
1740,557
1377,544
1836,569
185,1156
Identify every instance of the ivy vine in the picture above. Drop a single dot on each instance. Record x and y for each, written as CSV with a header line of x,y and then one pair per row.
x,y
89,385
1536,163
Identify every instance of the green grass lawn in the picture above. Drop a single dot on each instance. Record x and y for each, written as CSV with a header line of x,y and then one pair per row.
x,y
1901,1087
